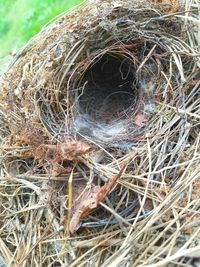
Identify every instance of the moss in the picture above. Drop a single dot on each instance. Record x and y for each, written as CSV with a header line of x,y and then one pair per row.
x,y
22,19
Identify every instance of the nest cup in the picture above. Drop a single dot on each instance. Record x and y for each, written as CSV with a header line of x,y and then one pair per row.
x,y
105,98
122,78
107,89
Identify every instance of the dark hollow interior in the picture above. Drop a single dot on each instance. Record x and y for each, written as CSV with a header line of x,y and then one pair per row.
x,y
106,90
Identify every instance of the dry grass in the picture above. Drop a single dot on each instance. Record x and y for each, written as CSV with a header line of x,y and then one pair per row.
x,y
59,88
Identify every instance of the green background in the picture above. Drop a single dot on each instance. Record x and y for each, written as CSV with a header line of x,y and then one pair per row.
x,y
21,19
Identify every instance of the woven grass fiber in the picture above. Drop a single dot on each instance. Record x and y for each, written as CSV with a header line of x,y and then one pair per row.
x,y
108,89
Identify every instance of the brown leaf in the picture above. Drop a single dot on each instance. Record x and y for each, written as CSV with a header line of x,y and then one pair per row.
x,y
90,200
140,119
54,155
68,150
72,149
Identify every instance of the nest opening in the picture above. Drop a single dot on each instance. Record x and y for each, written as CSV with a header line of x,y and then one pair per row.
x,y
107,89
105,96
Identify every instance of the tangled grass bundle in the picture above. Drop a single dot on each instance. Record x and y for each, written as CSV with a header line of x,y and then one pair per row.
x,y
110,86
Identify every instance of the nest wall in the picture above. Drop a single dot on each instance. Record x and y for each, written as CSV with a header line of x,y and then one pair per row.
x,y
110,85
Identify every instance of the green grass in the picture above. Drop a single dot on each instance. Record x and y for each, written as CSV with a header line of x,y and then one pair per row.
x,y
22,19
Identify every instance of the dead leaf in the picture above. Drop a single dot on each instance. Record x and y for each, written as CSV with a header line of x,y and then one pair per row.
x,y
57,154
53,154
69,150
90,200
140,119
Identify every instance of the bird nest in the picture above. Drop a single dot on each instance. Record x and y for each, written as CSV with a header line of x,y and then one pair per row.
x,y
100,117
